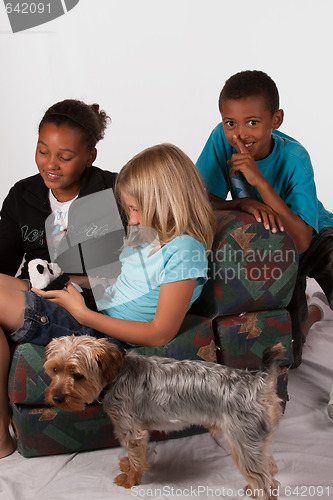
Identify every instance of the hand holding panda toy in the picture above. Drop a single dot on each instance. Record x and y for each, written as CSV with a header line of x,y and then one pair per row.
x,y
46,275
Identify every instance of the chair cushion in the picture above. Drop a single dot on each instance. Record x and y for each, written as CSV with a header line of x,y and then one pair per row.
x,y
250,268
28,381
42,430
46,431
241,340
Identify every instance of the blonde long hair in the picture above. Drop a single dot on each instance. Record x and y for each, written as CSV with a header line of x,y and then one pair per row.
x,y
170,193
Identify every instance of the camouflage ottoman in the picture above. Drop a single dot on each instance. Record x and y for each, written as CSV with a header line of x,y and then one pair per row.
x,y
42,430
240,312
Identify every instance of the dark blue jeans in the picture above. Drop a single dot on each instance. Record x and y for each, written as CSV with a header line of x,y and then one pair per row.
x,y
44,320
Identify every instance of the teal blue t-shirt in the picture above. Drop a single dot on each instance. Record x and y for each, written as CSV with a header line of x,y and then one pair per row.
x,y
134,295
288,169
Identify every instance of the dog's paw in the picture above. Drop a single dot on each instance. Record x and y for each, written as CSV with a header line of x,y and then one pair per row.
x,y
125,481
250,492
260,494
124,464
274,490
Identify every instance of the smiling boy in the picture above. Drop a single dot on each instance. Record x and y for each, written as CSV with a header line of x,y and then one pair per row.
x,y
277,172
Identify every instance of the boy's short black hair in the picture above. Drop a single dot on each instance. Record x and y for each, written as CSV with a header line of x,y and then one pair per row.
x,y
251,83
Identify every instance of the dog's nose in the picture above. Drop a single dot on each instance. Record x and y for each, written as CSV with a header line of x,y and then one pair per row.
x,y
57,399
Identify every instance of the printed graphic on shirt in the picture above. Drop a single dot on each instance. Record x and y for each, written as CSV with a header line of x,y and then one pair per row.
x,y
31,235
60,225
87,237
60,212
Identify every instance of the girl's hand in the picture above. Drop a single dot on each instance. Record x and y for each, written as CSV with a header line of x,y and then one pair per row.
x,y
243,162
263,213
70,299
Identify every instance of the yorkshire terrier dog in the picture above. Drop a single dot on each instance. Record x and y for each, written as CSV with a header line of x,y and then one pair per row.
x,y
142,394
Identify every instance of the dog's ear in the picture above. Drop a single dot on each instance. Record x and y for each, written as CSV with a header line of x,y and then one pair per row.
x,y
109,359
49,349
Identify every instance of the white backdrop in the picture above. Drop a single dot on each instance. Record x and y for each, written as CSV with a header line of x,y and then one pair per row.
x,y
157,67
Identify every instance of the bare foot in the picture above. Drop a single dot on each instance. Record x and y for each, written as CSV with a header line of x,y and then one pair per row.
x,y
7,446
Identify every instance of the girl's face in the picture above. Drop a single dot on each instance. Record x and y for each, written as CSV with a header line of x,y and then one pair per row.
x,y
132,208
61,158
251,121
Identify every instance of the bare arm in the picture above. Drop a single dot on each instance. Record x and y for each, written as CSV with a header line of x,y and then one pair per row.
x,y
263,213
294,225
173,301
287,220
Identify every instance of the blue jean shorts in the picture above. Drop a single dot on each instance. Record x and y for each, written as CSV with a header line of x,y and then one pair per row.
x,y
44,320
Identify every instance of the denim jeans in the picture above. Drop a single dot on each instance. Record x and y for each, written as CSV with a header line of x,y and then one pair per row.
x,y
44,320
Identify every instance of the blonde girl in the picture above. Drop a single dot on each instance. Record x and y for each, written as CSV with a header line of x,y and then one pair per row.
x,y
164,265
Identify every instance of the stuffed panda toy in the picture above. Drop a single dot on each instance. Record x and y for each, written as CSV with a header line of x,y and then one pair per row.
x,y
46,275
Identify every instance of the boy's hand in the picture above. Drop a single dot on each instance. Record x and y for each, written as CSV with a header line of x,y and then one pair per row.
x,y
244,162
263,213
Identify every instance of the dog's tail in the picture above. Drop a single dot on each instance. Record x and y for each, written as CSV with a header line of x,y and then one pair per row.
x,y
272,357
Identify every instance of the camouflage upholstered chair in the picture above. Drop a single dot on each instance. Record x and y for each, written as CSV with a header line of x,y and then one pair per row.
x,y
240,312
252,277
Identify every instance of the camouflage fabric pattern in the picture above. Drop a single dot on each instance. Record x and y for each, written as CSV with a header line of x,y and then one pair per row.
x,y
47,431
28,381
251,268
42,430
241,340
241,311
195,340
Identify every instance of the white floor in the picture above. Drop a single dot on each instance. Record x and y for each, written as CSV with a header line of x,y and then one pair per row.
x,y
198,467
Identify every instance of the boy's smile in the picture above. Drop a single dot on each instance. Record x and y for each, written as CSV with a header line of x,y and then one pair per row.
x,y
252,122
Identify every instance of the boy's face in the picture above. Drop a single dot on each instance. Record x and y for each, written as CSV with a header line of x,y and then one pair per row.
x,y
252,122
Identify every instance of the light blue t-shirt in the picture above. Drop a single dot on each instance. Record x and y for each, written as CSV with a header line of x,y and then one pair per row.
x,y
288,169
134,295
